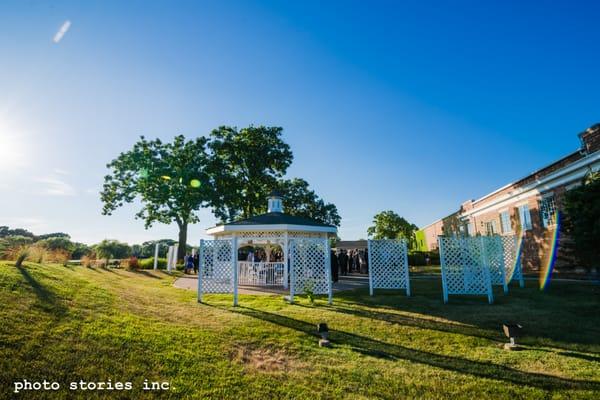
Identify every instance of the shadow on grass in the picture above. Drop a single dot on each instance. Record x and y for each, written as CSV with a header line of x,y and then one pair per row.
x,y
46,298
378,349
416,322
567,315
146,273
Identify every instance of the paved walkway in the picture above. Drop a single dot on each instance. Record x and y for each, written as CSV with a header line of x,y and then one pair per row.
x,y
349,282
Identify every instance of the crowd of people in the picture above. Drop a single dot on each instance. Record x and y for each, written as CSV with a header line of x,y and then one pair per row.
x,y
191,262
344,262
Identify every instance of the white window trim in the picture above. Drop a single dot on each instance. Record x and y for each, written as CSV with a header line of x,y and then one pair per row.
x,y
521,219
546,196
510,228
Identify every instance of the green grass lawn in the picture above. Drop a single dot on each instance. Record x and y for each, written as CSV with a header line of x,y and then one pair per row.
x,y
69,323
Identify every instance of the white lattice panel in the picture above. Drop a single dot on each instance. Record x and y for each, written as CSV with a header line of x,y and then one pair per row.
x,y
254,234
216,273
463,268
493,257
307,235
512,259
309,266
388,265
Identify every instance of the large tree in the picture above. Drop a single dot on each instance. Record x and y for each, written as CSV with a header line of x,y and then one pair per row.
x,y
108,249
299,199
245,165
582,221
169,180
389,225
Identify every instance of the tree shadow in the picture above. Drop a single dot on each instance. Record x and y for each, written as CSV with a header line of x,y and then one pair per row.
x,y
379,349
567,316
421,323
146,273
47,300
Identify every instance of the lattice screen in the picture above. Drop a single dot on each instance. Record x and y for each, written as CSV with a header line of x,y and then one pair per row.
x,y
309,266
216,273
388,265
493,257
512,259
463,267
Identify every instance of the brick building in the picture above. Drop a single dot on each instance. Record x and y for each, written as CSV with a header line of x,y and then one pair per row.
x,y
527,206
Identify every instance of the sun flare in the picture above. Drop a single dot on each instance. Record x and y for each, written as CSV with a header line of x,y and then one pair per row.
x,y
12,149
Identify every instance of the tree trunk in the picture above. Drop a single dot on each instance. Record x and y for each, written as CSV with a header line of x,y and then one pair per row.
x,y
182,241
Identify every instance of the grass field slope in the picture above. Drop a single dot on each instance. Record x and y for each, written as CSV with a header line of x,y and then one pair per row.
x,y
71,324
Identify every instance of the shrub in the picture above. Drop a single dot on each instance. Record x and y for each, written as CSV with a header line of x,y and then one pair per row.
x,y
37,254
86,261
148,263
132,263
418,258
58,256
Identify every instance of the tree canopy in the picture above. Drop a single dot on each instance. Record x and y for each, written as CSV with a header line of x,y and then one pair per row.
x,y
299,199
169,179
112,249
582,220
246,165
389,225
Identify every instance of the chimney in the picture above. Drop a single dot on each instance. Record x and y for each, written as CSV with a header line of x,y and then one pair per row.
x,y
590,139
275,204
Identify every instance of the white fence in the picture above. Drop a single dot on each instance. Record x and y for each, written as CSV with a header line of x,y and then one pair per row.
x,y
512,259
218,269
260,273
471,265
388,265
493,258
310,268
464,269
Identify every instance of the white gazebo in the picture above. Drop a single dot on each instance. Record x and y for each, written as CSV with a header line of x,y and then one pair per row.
x,y
277,249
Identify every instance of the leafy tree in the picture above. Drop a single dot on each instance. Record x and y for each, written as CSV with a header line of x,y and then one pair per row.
x,y
6,231
389,225
299,199
582,220
80,250
108,249
53,235
57,243
169,179
163,247
245,165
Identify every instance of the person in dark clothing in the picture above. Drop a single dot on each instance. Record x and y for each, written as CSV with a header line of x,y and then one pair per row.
x,y
363,261
355,261
196,263
343,262
334,266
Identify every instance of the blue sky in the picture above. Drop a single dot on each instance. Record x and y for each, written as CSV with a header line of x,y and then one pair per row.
x,y
410,106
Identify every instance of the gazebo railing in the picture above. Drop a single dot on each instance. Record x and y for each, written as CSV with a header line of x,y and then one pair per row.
x,y
260,273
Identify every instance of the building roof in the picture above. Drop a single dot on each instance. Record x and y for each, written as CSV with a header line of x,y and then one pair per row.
x,y
351,244
277,218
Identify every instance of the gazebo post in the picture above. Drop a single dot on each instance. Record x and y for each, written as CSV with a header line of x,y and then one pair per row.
x,y
200,269
328,271
234,258
285,261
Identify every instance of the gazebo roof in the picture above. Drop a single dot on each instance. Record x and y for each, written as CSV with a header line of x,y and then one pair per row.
x,y
277,218
274,221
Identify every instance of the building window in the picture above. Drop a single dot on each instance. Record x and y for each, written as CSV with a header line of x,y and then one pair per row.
x,y
525,217
491,228
548,211
505,222
470,230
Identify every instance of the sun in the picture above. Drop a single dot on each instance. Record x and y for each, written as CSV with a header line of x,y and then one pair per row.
x,y
12,149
